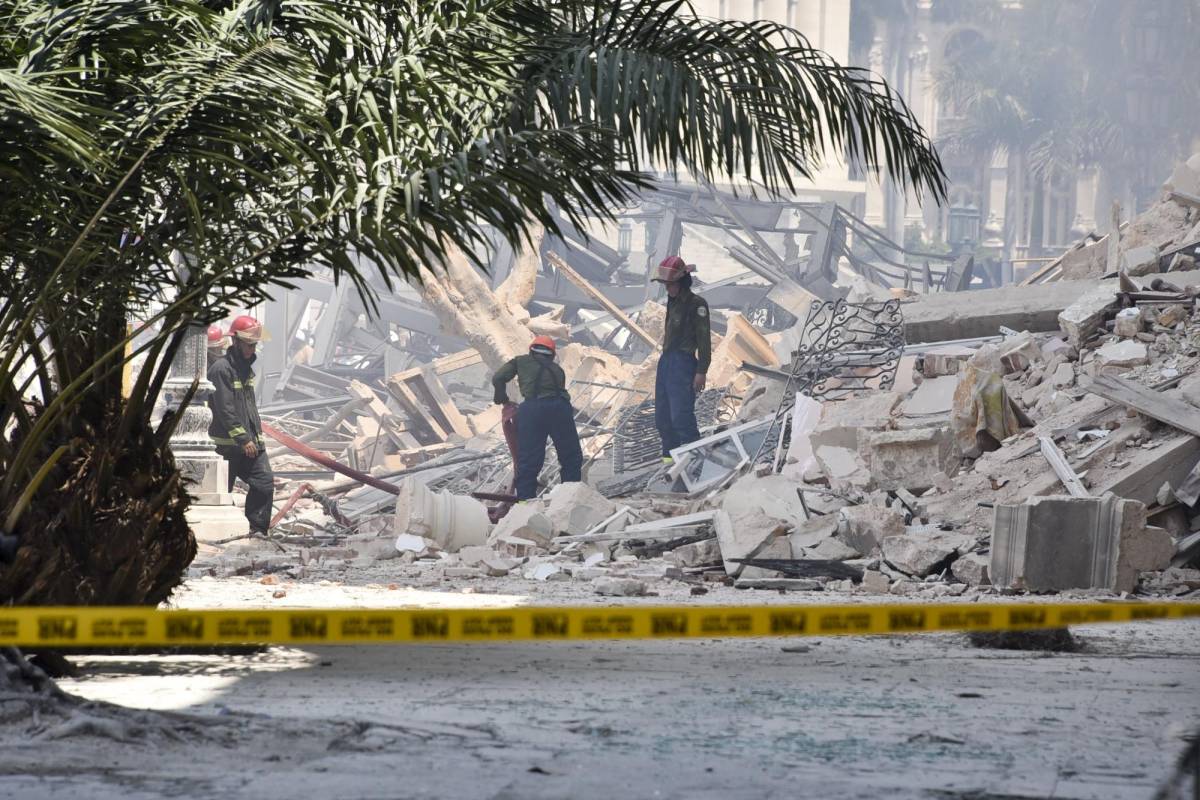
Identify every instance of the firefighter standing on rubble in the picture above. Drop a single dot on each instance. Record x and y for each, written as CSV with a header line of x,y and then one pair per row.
x,y
686,353
236,429
545,412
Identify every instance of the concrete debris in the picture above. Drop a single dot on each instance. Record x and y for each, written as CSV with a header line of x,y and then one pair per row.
x,y
863,528
526,521
576,508
910,459
1122,355
920,551
971,569
933,396
619,587
1086,315
697,554
875,582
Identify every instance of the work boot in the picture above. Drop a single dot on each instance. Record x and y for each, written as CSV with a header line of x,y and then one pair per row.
x,y
667,461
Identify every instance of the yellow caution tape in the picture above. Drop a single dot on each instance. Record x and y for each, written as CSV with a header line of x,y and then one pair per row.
x,y
125,626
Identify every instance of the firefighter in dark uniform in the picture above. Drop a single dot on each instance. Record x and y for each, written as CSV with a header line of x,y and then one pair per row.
x,y
545,412
236,429
686,353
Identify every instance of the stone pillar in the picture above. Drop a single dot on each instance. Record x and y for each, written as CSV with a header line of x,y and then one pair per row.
x,y
205,472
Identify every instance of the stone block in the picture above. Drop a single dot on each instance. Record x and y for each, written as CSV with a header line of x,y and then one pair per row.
x,y
476,554
833,549
933,396
697,554
1057,542
920,551
525,521
971,569
864,527
909,459
875,582
1128,323
941,361
574,508
1064,376
619,587
751,512
840,422
812,532
1018,352
1122,355
1086,315
1170,316
842,467
1140,260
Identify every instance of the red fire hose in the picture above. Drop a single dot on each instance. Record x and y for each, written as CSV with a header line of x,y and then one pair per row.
x,y
318,457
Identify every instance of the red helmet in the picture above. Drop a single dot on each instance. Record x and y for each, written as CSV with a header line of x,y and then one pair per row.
x,y
215,335
543,344
248,329
672,269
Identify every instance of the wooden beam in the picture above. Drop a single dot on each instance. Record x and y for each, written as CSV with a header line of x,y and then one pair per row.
x,y
1058,462
1175,413
609,306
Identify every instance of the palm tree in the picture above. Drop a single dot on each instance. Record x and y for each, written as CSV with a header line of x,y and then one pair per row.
x,y
169,158
1020,90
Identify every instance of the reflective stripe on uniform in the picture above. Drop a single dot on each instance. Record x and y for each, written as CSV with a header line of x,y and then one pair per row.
x,y
237,430
222,440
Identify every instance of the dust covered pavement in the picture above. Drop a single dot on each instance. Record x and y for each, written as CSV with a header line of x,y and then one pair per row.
x,y
918,716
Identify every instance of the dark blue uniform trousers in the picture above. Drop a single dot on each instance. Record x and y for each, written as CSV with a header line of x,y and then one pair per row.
x,y
537,419
675,400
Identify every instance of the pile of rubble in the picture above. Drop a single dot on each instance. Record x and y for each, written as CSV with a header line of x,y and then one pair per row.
x,y
1051,446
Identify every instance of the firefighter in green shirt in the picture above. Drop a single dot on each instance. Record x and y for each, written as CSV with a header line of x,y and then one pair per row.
x,y
686,353
545,412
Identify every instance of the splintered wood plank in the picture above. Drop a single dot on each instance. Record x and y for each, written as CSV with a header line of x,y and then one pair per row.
x,y
1058,462
1175,413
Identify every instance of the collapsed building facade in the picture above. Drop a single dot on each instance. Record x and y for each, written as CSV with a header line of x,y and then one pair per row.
x,y
894,423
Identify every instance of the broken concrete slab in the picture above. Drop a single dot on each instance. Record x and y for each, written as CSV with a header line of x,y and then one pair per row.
x,y
619,587
527,522
920,551
1128,323
833,549
971,569
947,316
864,527
1141,260
812,532
1060,542
933,396
875,582
942,361
1122,355
1064,376
842,467
909,459
1086,315
780,584
840,422
753,512
697,554
573,508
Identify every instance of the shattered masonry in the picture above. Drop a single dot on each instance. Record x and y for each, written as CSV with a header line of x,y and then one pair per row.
x,y
1037,437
